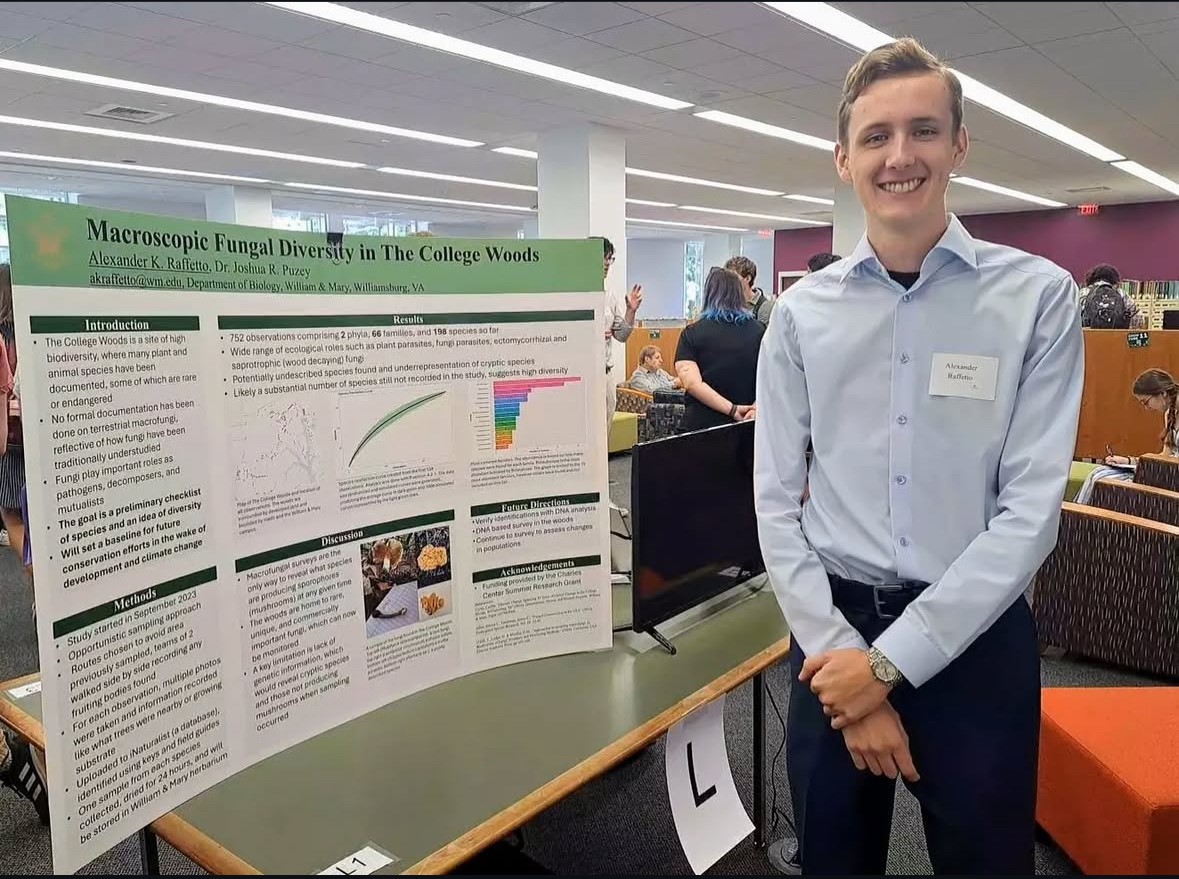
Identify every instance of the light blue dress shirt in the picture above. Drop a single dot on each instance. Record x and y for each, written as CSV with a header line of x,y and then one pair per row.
x,y
957,492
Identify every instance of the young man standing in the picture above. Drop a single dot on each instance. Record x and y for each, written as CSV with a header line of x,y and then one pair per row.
x,y
760,304
939,380
620,324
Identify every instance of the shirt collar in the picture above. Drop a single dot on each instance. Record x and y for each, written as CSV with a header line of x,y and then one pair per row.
x,y
955,241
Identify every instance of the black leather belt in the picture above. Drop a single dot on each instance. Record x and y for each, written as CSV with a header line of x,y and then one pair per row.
x,y
886,602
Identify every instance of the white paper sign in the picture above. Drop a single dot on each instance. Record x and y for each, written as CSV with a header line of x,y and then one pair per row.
x,y
362,863
708,813
963,375
26,690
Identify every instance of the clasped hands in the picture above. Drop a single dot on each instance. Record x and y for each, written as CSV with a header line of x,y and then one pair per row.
x,y
858,706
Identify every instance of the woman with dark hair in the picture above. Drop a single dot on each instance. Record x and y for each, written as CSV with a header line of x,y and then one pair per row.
x,y
1154,390
716,359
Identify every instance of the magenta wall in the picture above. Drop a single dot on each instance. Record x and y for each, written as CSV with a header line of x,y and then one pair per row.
x,y
1142,240
793,247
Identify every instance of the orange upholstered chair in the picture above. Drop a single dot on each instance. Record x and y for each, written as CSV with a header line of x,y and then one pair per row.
x,y
1109,777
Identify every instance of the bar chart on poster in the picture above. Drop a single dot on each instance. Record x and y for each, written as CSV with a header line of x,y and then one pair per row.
x,y
534,413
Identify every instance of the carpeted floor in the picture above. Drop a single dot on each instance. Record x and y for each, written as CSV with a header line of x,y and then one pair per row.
x,y
620,823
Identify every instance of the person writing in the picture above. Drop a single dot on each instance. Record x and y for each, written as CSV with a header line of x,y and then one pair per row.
x,y
716,358
939,380
1155,390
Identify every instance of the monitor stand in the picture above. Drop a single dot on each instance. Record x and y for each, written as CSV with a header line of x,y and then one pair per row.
x,y
663,642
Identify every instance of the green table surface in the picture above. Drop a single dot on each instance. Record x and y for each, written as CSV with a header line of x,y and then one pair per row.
x,y
415,775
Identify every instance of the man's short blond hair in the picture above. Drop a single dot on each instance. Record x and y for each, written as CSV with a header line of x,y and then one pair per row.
x,y
743,266
904,57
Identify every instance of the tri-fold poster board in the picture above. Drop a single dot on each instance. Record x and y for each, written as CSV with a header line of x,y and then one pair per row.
x,y
277,480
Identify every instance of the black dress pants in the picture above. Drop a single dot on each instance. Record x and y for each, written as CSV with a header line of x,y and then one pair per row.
x,y
974,736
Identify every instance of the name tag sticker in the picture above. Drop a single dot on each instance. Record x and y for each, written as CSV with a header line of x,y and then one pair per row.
x,y
964,375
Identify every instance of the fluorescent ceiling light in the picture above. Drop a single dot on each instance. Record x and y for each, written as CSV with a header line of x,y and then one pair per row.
x,y
1004,190
1149,176
687,207
401,196
651,204
233,103
516,151
124,167
176,141
766,129
853,32
640,222
397,30
698,181
813,199
478,181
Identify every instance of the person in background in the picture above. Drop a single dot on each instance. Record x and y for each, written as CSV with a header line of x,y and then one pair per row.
x,y
760,304
649,376
820,261
1155,390
1101,286
943,416
620,323
12,462
716,358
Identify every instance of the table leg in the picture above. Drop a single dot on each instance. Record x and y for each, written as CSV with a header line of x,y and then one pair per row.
x,y
759,760
149,851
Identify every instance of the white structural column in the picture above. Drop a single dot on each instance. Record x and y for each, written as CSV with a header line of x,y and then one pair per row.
x,y
718,247
244,205
581,182
581,177
847,221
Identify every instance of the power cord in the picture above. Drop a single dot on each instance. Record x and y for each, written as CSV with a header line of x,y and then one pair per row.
x,y
775,811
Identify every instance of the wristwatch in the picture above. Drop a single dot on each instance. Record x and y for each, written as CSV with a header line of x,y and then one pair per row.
x,y
883,669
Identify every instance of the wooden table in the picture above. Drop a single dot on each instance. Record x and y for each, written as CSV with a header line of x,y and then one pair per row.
x,y
439,776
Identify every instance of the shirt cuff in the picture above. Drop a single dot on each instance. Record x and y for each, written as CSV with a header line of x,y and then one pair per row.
x,y
908,648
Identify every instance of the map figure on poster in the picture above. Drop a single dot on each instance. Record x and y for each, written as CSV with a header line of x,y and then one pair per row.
x,y
274,450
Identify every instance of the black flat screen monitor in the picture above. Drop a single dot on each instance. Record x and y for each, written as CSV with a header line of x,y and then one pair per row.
x,y
694,525
1171,319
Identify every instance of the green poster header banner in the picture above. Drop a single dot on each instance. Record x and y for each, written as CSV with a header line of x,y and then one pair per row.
x,y
63,245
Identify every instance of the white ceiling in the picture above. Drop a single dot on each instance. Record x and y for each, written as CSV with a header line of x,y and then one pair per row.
x,y
1107,70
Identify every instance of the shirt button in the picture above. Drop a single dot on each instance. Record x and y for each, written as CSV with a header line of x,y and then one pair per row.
x,y
907,297
901,480
904,541
901,419
904,358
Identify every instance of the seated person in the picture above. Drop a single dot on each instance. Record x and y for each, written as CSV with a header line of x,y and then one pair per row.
x,y
649,376
716,358
1156,391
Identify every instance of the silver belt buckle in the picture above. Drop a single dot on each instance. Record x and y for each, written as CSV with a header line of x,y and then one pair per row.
x,y
887,589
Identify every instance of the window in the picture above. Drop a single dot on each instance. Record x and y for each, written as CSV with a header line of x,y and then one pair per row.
x,y
693,277
299,221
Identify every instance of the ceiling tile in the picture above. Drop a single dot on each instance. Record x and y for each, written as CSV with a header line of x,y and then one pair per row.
x,y
821,98
247,18
881,14
221,41
583,18
515,35
301,60
643,35
186,61
70,36
129,22
773,82
446,18
63,11
1165,47
735,69
707,19
1145,13
692,53
633,70
508,82
1036,22
17,26
658,8
426,62
575,53
351,43
260,75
